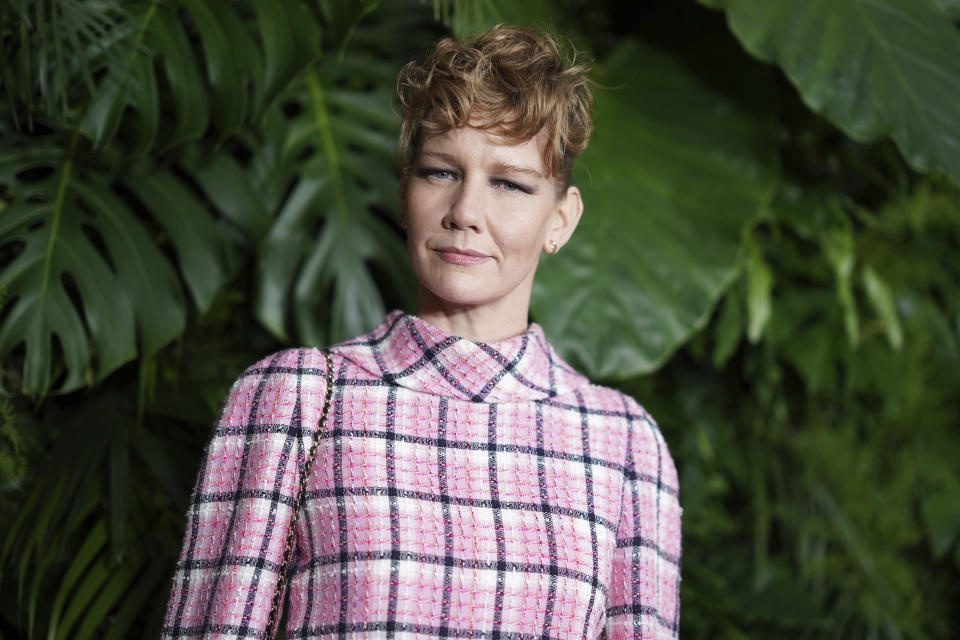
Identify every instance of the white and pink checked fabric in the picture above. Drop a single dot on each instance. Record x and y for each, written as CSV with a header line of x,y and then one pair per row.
x,y
461,490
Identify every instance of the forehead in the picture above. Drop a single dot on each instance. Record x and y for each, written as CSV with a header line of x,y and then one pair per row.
x,y
484,143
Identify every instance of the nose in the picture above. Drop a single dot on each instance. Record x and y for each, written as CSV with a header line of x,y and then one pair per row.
x,y
465,210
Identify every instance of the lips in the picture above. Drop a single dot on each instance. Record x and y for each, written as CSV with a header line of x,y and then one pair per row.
x,y
455,255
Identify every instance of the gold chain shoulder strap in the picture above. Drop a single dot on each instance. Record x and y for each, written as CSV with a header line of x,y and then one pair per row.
x,y
307,468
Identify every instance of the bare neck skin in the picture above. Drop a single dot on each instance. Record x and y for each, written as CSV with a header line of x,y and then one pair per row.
x,y
480,323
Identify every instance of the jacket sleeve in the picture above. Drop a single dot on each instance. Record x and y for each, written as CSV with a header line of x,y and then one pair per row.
x,y
644,597
241,507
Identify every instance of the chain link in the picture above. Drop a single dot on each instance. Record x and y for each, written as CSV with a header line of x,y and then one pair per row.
x,y
291,534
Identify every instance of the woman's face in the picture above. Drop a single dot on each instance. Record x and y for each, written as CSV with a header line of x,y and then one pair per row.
x,y
478,214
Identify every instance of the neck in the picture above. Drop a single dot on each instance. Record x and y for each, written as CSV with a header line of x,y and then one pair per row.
x,y
480,323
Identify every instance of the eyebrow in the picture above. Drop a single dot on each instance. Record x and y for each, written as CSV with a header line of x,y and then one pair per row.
x,y
498,167
504,167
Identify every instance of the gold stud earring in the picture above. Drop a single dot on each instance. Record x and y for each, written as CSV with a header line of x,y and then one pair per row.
x,y
553,247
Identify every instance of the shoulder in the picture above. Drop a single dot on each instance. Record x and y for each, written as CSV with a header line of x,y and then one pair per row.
x,y
272,389
297,361
647,455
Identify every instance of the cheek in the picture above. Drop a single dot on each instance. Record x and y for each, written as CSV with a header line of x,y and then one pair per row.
x,y
423,211
524,240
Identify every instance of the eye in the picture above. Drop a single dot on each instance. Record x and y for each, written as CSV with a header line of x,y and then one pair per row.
x,y
511,187
437,174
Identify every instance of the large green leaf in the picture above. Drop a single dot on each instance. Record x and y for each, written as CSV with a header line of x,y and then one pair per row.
x,y
673,172
328,172
941,515
950,7
469,17
875,68
82,271
81,573
42,78
225,84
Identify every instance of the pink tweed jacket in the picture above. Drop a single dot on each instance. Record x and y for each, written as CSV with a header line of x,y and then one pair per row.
x,y
461,490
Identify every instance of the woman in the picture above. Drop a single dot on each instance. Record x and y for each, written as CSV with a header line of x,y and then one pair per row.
x,y
468,482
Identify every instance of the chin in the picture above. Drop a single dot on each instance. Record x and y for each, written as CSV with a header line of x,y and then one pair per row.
x,y
457,297
465,292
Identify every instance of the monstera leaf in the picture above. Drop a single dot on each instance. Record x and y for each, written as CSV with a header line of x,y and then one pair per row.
x,y
875,68
84,274
328,170
674,171
226,86
950,7
469,17
89,549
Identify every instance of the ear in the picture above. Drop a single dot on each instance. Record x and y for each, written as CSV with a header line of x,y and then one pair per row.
x,y
566,216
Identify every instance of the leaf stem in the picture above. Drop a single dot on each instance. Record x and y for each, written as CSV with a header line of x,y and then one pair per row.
x,y
62,183
322,121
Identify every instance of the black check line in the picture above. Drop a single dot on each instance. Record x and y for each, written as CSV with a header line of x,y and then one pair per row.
x,y
507,448
272,369
657,521
468,445
467,502
656,439
228,561
228,496
548,520
550,402
375,342
459,563
311,539
378,358
249,561
640,541
498,526
295,428
374,346
208,498
420,495
576,408
248,442
642,610
431,352
444,631
232,630
550,369
430,355
629,467
508,367
394,518
450,444
341,505
192,544
588,477
661,488
419,630
360,627
505,366
559,364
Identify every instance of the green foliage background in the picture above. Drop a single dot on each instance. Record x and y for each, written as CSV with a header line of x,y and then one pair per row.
x,y
769,261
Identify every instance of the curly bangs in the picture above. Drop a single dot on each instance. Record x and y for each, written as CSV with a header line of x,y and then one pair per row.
x,y
514,82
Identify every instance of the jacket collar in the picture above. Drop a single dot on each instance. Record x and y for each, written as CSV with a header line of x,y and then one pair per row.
x,y
410,352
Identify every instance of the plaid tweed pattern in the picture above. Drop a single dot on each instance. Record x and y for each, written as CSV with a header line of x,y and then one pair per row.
x,y
461,490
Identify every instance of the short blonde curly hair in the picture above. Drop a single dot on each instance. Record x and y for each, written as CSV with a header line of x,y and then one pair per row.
x,y
516,81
